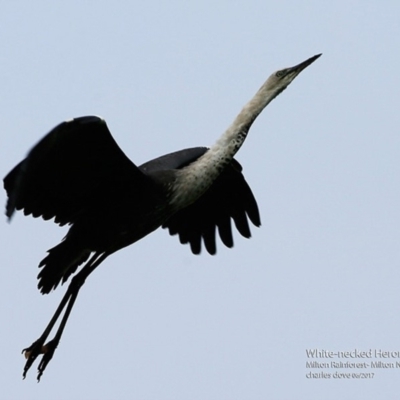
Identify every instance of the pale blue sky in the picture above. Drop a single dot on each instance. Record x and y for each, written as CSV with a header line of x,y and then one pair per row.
x,y
155,322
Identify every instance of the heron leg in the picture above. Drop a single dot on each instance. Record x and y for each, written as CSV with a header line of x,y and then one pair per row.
x,y
39,347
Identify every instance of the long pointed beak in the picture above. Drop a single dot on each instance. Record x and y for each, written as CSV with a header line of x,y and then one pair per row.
x,y
298,68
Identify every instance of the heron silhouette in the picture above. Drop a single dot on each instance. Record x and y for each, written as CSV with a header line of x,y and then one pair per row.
x,y
79,176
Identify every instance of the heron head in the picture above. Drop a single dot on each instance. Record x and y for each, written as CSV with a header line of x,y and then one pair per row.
x,y
281,79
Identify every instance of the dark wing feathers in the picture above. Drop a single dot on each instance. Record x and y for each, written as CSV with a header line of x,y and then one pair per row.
x,y
229,197
176,160
66,170
70,167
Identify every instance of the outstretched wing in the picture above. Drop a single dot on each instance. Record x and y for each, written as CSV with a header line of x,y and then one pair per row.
x,y
72,165
229,198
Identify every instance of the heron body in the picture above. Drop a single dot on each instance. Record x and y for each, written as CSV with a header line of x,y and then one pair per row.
x,y
79,176
113,206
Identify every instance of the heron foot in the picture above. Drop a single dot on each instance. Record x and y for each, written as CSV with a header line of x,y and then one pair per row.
x,y
34,350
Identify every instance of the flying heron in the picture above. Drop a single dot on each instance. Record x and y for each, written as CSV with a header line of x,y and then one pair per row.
x,y
79,176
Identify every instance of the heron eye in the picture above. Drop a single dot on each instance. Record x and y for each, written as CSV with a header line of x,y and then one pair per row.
x,y
279,74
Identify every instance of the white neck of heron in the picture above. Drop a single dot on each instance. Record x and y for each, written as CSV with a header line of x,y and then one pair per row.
x,y
193,180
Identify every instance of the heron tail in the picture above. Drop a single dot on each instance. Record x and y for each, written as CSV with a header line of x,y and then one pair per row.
x,y
62,261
